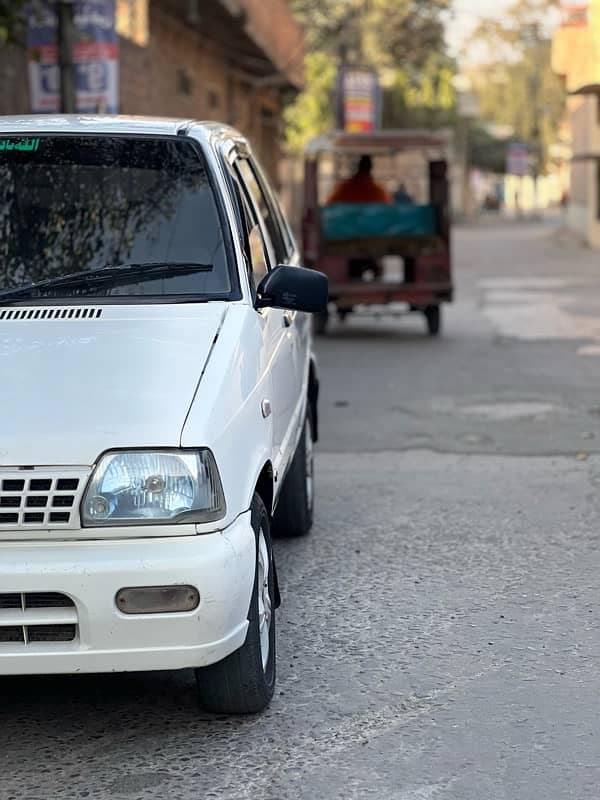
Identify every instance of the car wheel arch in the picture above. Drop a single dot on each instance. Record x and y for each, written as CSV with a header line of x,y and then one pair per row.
x,y
265,487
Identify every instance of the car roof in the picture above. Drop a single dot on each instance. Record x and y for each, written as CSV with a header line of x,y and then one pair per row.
x,y
28,124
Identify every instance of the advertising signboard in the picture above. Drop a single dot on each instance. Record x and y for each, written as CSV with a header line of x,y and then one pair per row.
x,y
518,160
95,57
360,100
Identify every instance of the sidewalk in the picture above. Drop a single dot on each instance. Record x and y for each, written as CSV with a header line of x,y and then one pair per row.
x,y
535,281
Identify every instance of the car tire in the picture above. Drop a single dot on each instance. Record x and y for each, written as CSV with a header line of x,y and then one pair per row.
x,y
244,682
433,317
294,513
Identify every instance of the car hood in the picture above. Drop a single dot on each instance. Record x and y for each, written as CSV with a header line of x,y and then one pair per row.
x,y
76,381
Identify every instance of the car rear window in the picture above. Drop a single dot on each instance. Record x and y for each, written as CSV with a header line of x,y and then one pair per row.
x,y
73,204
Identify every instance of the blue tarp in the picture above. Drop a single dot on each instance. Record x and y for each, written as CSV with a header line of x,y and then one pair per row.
x,y
367,220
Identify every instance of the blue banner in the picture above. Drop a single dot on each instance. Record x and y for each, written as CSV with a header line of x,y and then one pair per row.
x,y
95,57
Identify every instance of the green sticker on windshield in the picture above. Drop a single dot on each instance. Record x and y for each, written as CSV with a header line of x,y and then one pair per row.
x,y
23,145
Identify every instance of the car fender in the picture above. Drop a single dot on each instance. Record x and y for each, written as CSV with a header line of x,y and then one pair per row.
x,y
230,413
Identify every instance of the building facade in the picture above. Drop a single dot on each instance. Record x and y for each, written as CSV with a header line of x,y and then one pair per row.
x,y
576,57
235,61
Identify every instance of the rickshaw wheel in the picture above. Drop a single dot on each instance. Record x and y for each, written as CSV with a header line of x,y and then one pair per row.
x,y
320,320
433,317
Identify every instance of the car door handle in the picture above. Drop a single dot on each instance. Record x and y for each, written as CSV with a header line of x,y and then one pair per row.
x,y
288,318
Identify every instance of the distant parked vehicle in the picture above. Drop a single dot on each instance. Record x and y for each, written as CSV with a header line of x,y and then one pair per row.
x,y
159,402
347,241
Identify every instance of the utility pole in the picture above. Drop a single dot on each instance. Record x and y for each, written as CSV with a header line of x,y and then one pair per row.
x,y
467,111
66,36
361,42
341,76
534,40
464,146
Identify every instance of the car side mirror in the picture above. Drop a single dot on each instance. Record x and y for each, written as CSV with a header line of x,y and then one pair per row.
x,y
293,288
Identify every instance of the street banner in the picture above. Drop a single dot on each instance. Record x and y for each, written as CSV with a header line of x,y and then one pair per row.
x,y
360,100
518,159
95,57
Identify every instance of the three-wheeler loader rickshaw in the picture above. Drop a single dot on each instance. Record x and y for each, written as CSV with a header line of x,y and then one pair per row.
x,y
353,242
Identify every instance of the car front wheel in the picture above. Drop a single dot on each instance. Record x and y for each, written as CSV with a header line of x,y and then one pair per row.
x,y
244,682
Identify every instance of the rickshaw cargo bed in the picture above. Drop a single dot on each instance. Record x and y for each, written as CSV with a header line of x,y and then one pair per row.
x,y
376,220
379,246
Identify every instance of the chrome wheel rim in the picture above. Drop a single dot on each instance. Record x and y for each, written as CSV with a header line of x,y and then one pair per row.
x,y
264,598
309,465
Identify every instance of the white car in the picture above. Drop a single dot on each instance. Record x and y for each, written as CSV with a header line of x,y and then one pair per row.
x,y
158,402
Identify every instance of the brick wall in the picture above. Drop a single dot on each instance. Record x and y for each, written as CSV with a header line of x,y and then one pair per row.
x,y
168,68
271,25
178,73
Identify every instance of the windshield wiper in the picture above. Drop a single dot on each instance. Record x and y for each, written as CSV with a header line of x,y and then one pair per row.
x,y
117,274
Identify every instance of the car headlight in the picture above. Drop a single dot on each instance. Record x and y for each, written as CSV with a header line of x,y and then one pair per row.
x,y
145,487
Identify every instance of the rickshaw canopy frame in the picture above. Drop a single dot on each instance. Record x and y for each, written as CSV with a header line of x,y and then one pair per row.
x,y
385,142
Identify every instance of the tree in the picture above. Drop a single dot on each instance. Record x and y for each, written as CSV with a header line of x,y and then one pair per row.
x,y
380,33
486,152
423,100
11,21
402,39
312,113
516,85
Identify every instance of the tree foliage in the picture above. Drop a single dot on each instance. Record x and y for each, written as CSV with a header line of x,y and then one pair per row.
x,y
423,100
486,151
402,39
380,33
312,113
11,21
516,85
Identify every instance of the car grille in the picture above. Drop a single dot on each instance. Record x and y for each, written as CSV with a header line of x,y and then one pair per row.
x,y
37,617
38,500
25,600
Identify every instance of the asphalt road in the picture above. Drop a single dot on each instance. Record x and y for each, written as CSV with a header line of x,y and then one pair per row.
x,y
439,636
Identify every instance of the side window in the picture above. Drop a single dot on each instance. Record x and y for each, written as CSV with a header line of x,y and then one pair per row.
x,y
286,231
265,208
254,245
284,227
258,255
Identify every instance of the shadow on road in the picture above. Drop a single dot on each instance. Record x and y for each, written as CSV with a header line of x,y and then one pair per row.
x,y
147,699
373,329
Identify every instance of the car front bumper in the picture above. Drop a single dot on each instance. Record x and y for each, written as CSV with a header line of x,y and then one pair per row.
x,y
90,573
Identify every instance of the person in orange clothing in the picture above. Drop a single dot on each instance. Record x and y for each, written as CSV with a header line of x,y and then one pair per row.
x,y
360,188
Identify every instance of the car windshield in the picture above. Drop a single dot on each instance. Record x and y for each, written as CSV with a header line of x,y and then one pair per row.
x,y
72,205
